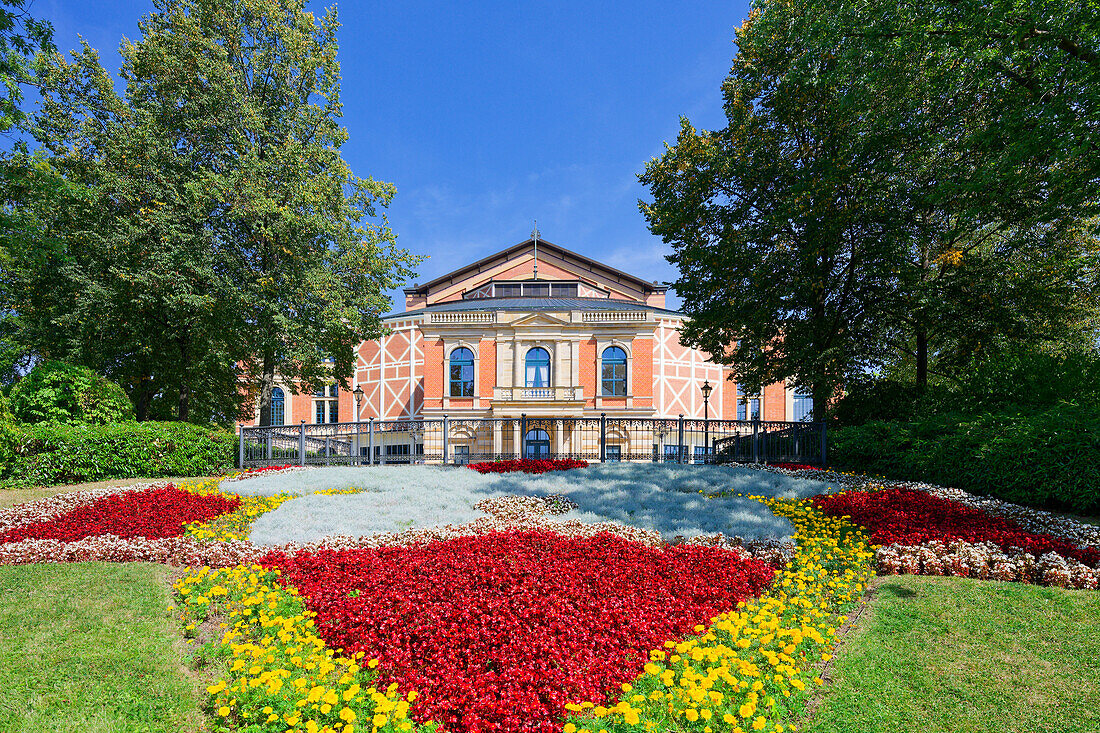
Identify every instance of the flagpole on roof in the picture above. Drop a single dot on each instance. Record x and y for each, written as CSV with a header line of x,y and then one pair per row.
x,y
535,236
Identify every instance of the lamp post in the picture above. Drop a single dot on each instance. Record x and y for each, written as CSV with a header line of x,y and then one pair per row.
x,y
358,392
706,390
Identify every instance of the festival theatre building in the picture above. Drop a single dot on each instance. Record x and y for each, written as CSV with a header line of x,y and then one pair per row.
x,y
541,332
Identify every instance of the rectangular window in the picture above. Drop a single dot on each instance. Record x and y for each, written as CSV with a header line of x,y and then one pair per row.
x,y
701,453
803,406
462,380
319,411
334,411
536,291
563,291
672,453
506,291
462,454
613,452
613,379
334,390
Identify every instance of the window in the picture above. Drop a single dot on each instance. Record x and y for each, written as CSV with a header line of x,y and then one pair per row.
x,y
613,375
398,453
278,406
462,373
538,444
613,453
803,406
462,454
326,408
507,291
701,453
538,367
747,408
672,453
539,290
563,291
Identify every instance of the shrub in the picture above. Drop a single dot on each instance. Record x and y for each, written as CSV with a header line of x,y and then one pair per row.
x,y
877,399
1041,458
48,454
64,393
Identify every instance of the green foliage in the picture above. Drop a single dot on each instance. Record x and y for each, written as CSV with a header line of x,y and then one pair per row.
x,y
1044,458
203,218
48,454
1019,378
894,181
868,398
21,36
64,393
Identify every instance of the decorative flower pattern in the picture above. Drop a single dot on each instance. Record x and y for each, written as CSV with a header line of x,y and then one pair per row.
x,y
527,465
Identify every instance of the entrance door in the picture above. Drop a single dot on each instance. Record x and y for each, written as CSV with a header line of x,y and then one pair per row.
x,y
538,444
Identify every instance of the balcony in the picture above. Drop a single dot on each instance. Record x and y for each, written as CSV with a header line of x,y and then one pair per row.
x,y
538,394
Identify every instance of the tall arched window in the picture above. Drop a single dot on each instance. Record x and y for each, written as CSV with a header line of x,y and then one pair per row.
x,y
538,367
278,406
462,373
613,373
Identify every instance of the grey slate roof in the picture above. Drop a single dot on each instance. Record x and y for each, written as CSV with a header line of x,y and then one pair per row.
x,y
536,304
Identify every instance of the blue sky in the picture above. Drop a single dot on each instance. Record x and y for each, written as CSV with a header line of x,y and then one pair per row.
x,y
489,115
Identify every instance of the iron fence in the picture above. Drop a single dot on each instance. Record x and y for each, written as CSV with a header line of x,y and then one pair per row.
x,y
594,439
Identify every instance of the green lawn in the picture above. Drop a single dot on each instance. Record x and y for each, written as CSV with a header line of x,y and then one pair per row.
x,y
962,656
90,647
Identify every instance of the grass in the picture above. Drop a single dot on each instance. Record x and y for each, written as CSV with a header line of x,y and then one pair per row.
x,y
11,497
90,647
967,656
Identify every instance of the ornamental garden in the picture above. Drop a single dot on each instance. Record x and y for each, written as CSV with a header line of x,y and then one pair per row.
x,y
536,595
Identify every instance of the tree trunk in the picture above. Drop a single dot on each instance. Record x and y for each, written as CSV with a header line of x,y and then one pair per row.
x,y
183,406
922,357
267,384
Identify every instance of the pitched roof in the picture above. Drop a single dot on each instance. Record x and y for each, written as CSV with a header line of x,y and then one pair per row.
x,y
586,262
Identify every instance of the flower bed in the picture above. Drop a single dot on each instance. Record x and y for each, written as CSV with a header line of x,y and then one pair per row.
x,y
498,631
796,466
151,513
280,675
752,667
911,517
527,465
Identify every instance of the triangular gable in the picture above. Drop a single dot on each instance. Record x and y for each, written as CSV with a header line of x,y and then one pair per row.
x,y
539,319
555,263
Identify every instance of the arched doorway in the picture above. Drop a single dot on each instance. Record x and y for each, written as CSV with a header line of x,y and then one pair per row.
x,y
537,441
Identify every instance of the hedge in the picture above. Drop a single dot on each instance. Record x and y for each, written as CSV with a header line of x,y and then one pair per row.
x,y
48,454
1045,458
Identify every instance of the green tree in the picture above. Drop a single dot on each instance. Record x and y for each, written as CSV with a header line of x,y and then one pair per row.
x,y
215,226
298,234
895,145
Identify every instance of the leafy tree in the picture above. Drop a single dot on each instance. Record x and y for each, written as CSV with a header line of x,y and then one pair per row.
x,y
216,227
293,226
21,37
57,392
894,144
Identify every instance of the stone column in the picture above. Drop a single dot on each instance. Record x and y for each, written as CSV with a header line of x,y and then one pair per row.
x,y
517,366
556,378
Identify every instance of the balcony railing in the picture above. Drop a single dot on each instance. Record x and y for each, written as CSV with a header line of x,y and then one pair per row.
x,y
465,317
537,394
613,316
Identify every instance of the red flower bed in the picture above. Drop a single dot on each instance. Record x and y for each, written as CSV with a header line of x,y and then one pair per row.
x,y
796,466
497,632
527,465
911,517
261,469
153,513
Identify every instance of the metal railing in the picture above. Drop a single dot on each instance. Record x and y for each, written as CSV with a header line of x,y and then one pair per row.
x,y
594,439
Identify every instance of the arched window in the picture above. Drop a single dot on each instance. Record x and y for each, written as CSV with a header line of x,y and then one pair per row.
x,y
537,444
538,367
462,373
278,406
613,373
